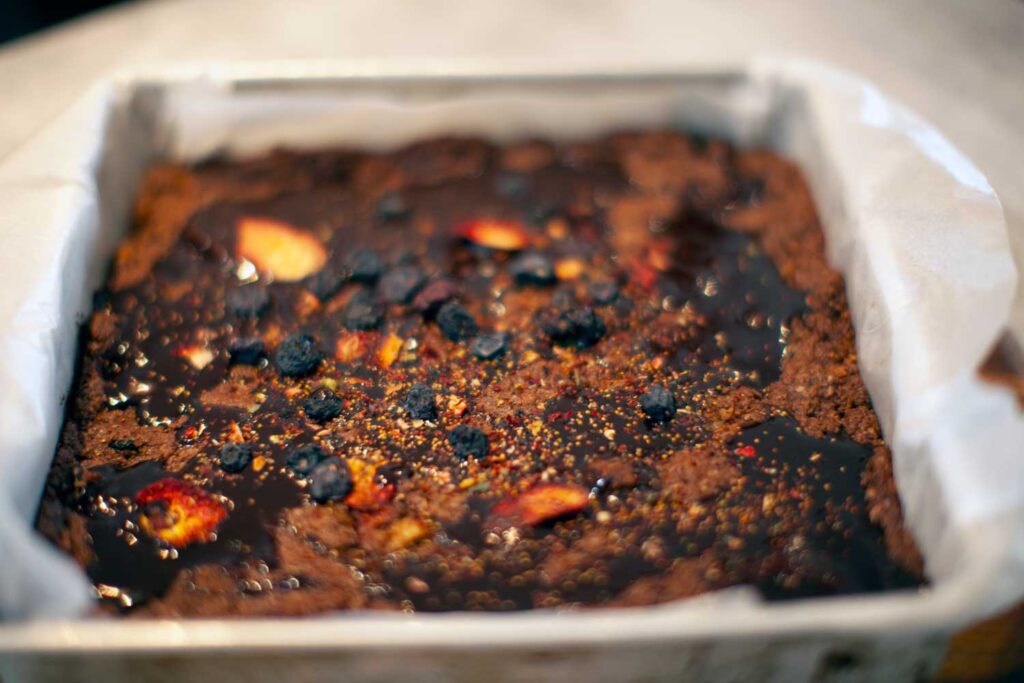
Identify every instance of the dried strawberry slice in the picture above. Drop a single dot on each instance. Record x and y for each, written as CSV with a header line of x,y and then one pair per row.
x,y
494,234
541,503
279,249
179,512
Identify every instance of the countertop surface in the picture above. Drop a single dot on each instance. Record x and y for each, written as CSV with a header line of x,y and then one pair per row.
x,y
959,63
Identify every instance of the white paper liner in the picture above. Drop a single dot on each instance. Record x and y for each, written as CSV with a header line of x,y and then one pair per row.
x,y
914,227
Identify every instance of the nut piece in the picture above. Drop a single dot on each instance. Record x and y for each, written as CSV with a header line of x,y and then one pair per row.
x,y
278,249
179,512
494,234
539,504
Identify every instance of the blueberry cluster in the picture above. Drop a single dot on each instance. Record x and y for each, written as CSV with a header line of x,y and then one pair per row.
x,y
297,356
323,405
234,457
658,403
468,442
576,328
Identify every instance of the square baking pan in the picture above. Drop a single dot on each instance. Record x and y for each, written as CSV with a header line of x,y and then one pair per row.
x,y
912,225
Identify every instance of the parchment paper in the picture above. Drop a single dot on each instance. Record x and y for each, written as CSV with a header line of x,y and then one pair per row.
x,y
914,227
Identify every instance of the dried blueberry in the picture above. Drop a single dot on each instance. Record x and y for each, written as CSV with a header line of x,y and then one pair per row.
x,y
330,480
303,459
489,346
323,405
577,328
420,402
297,356
248,301
324,283
391,207
400,284
123,445
455,321
603,292
468,442
364,265
362,312
511,184
235,457
246,350
658,403
532,268
433,295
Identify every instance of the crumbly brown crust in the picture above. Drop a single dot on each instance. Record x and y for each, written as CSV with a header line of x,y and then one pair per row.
x,y
769,470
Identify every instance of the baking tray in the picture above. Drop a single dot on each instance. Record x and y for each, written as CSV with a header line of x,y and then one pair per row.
x,y
913,226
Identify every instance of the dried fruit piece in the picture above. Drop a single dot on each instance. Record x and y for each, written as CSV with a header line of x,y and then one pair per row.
x,y
494,234
468,442
362,312
246,350
389,350
279,249
541,503
297,356
658,403
349,347
643,274
179,512
489,346
306,304
456,323
403,532
303,459
235,457
197,356
420,402
569,268
369,491
325,283
433,295
457,406
323,405
364,265
577,328
534,269
329,481
399,285
746,451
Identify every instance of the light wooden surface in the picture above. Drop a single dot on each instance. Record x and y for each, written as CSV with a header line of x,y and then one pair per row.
x,y
960,63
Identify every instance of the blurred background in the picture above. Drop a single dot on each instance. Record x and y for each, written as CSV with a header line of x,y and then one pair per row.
x,y
21,17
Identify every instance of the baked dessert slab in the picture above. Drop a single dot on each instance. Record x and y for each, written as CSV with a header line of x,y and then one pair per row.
x,y
462,376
